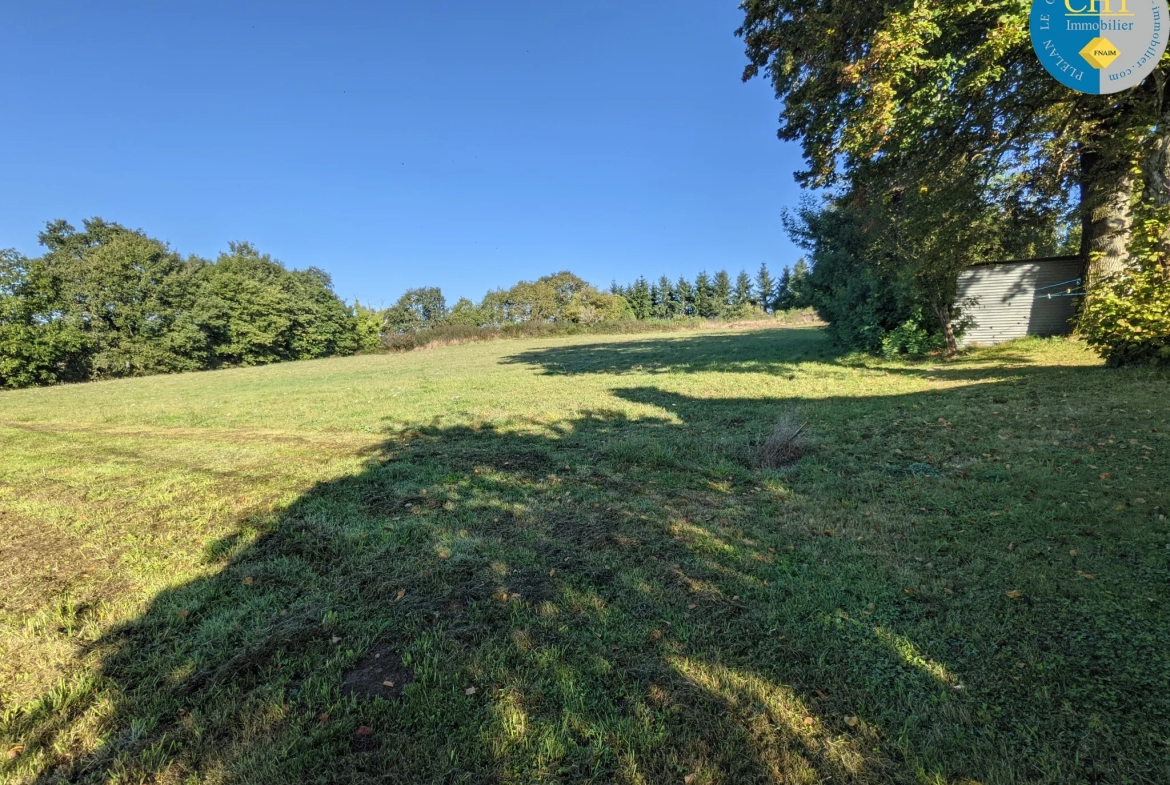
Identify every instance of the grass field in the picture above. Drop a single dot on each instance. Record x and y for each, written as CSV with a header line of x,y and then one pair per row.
x,y
560,561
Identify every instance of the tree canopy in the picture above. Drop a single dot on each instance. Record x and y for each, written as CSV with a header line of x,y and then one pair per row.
x,y
940,138
106,301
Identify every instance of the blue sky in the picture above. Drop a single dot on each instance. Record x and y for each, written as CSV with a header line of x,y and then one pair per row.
x,y
398,144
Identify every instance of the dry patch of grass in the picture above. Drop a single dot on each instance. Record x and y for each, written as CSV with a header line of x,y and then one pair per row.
x,y
786,445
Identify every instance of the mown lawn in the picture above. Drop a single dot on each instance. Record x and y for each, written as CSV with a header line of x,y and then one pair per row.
x,y
560,561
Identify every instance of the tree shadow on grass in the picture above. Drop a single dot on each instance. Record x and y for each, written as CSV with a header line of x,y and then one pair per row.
x,y
774,351
627,600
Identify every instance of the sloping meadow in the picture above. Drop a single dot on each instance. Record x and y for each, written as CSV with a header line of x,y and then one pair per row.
x,y
573,560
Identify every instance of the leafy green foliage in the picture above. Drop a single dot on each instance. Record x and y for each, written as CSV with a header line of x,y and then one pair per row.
x,y
106,301
35,348
258,312
861,301
417,309
1127,318
369,327
911,338
937,122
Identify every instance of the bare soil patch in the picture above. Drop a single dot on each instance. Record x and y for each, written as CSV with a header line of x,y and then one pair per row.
x,y
380,674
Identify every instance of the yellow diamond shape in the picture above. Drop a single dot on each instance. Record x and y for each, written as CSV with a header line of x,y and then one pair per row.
x,y
1100,53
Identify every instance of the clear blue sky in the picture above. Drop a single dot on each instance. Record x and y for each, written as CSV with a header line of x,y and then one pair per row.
x,y
466,144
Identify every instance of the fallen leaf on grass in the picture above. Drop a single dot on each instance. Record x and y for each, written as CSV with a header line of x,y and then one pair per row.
x,y
687,780
1085,575
248,581
851,722
14,751
387,684
809,720
365,730
1015,594
911,592
1104,475
470,691
821,695
401,594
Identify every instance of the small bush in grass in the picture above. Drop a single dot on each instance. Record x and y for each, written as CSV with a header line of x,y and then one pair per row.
x,y
786,445
911,338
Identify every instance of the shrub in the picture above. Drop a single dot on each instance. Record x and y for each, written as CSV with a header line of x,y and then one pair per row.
x,y
1127,318
911,338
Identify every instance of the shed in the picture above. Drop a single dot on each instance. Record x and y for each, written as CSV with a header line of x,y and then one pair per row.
x,y
1007,300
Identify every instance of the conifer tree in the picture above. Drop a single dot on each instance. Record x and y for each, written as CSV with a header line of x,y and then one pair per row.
x,y
765,287
742,297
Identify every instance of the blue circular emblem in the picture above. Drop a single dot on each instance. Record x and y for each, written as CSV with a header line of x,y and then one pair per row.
x,y
1099,46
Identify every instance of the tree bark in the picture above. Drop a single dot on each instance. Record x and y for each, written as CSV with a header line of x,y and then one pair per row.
x,y
944,315
1157,172
1106,217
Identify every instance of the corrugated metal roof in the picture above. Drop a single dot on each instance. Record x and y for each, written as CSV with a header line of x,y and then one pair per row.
x,y
1003,298
1064,258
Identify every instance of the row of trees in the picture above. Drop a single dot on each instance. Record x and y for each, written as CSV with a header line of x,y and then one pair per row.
x,y
940,140
562,297
107,301
566,298
714,297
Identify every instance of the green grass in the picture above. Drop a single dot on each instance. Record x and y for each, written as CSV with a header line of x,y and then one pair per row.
x,y
569,554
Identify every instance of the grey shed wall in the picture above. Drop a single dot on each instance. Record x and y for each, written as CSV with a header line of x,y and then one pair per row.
x,y
1006,303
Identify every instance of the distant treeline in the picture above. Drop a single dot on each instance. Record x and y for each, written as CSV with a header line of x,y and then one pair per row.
x,y
107,302
716,297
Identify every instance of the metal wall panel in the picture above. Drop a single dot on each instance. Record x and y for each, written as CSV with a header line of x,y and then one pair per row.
x,y
1004,302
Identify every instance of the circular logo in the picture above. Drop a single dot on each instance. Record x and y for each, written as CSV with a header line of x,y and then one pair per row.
x,y
1099,46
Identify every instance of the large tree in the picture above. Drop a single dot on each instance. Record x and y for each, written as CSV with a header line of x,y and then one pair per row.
x,y
884,95
130,295
37,345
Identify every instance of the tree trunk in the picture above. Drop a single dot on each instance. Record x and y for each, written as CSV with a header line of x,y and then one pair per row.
x,y
944,315
1157,172
1106,217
